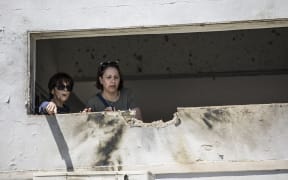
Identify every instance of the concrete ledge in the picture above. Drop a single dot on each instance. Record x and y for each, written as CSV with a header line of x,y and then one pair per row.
x,y
261,167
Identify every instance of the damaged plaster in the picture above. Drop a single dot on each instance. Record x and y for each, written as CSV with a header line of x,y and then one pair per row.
x,y
118,141
27,141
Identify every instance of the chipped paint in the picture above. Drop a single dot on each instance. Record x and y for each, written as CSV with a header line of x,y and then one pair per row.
x,y
29,145
117,141
113,140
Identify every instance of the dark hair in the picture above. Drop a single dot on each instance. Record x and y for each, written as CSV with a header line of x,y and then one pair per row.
x,y
57,79
101,69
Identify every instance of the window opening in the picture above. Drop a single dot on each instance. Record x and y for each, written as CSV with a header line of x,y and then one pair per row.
x,y
169,70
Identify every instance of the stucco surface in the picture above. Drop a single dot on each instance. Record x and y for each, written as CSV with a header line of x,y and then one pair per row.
x,y
54,15
27,141
116,141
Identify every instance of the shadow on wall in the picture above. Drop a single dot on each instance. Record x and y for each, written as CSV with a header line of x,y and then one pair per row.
x,y
60,141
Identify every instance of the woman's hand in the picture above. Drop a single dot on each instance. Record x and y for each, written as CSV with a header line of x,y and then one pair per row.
x,y
51,108
86,110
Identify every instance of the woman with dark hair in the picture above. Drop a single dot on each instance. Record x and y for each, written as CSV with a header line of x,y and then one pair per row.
x,y
112,96
60,86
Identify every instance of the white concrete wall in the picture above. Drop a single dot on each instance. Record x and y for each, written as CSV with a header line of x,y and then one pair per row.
x,y
23,136
233,141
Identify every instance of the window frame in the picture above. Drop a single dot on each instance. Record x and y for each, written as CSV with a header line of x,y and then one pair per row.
x,y
33,36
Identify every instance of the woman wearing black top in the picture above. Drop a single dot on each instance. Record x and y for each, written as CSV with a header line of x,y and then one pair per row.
x,y
60,86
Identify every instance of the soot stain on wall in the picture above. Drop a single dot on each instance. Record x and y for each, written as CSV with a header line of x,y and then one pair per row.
x,y
106,149
182,154
275,32
212,116
109,130
113,131
139,59
92,56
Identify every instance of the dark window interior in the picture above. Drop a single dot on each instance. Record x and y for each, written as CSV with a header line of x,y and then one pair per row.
x,y
167,71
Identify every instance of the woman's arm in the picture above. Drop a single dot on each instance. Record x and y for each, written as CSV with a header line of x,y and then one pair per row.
x,y
48,108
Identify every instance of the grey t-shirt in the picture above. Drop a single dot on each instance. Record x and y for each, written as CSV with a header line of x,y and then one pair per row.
x,y
126,101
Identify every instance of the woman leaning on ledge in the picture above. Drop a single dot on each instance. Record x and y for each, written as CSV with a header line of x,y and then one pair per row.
x,y
112,96
60,86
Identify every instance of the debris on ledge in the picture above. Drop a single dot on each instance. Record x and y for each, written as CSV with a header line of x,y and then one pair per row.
x,y
129,117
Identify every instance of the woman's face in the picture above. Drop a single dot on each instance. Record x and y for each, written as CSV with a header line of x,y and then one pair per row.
x,y
61,93
110,80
